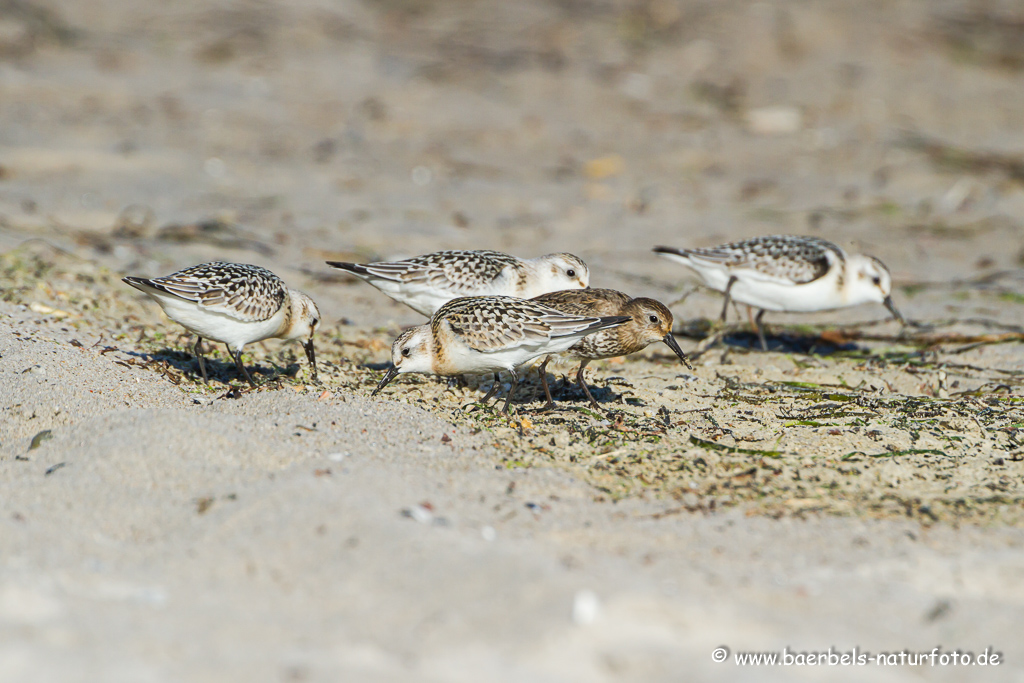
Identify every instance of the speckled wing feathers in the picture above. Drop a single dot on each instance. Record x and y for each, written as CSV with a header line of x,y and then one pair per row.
x,y
457,271
488,324
244,292
797,259
588,302
585,302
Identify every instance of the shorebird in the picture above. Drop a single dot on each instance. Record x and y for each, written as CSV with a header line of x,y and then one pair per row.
x,y
425,283
236,304
476,335
649,322
789,273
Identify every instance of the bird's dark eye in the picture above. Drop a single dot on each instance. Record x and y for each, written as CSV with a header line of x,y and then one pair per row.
x,y
654,319
877,280
406,351
571,272
316,321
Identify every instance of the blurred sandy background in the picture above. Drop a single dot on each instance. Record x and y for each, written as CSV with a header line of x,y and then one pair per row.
x,y
185,538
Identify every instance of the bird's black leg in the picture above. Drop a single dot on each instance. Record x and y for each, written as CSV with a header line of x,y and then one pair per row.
x,y
544,383
583,386
512,390
197,351
237,355
311,355
760,329
495,385
728,296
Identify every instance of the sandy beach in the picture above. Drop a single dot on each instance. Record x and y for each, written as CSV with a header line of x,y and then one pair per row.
x,y
859,487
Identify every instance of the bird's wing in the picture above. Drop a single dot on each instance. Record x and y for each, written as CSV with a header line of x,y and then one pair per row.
x,y
795,260
240,291
489,324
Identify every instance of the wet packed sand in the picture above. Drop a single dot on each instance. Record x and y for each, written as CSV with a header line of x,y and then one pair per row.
x,y
858,485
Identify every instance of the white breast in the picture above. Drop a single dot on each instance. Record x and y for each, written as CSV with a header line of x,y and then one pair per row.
x,y
775,295
218,326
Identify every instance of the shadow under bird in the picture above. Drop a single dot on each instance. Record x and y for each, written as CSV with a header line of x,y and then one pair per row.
x,y
789,273
649,321
425,283
476,335
236,304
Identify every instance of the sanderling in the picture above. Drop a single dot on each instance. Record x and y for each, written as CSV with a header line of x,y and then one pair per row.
x,y
789,273
649,321
425,283
489,334
236,304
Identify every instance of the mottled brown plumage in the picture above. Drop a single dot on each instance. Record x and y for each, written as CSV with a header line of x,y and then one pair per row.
x,y
650,321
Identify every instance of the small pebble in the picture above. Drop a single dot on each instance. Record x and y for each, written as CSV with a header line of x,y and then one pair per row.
x,y
585,607
419,513
774,120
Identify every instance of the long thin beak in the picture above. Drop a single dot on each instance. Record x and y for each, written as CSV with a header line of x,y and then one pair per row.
x,y
672,344
311,355
388,376
892,309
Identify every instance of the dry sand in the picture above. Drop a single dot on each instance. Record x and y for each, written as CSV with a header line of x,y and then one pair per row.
x,y
855,486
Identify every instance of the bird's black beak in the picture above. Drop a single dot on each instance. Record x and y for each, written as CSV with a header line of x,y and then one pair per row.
x,y
892,309
311,355
672,344
388,376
